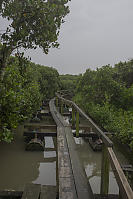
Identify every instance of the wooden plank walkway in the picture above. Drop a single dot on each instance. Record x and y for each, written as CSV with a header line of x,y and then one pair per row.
x,y
82,185
36,191
31,191
67,189
40,126
48,192
73,183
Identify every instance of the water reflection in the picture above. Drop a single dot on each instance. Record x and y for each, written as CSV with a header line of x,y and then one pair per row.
x,y
47,173
91,162
49,142
19,166
49,154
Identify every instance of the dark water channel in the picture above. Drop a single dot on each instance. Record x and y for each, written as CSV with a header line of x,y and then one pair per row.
x,y
18,166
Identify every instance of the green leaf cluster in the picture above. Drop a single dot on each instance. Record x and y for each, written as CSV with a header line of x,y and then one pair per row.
x,y
106,94
34,23
23,88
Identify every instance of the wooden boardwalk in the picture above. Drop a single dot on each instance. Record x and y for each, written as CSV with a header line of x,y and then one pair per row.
x,y
108,155
73,183
36,191
40,126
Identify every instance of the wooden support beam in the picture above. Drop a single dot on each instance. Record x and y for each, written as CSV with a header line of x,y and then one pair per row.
x,y
124,187
56,101
77,124
66,114
73,117
107,196
47,134
11,194
86,135
40,126
104,171
54,134
61,108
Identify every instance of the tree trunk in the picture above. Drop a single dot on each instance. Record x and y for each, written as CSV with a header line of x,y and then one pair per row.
x,y
5,53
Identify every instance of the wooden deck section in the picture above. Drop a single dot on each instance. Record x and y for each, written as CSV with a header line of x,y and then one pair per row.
x,y
48,192
31,191
54,134
73,183
43,134
108,155
36,191
67,187
40,126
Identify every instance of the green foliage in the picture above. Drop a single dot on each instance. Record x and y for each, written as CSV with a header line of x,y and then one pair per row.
x,y
107,96
34,23
23,88
23,85
48,80
20,97
69,82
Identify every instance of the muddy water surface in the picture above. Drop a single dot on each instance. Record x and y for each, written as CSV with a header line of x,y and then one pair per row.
x,y
91,162
18,166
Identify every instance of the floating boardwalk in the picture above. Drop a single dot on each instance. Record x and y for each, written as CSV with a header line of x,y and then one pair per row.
x,y
72,179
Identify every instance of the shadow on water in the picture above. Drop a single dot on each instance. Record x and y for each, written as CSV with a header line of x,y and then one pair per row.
x,y
19,166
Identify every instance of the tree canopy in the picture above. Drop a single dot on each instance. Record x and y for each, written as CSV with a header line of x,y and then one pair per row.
x,y
33,23
106,94
24,86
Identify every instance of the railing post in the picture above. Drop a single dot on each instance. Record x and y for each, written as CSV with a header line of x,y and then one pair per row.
x,y
73,117
56,101
77,124
104,171
61,108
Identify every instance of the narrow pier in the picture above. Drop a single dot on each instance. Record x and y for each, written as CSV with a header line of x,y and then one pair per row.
x,y
73,182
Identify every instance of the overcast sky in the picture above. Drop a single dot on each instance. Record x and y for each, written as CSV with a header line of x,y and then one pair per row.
x,y
96,33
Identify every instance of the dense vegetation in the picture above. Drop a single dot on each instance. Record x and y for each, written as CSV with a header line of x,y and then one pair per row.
x,y
106,94
23,88
69,82
33,23
23,85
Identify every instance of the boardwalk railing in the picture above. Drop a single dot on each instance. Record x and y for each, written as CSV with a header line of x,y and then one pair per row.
x,y
108,155
72,181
